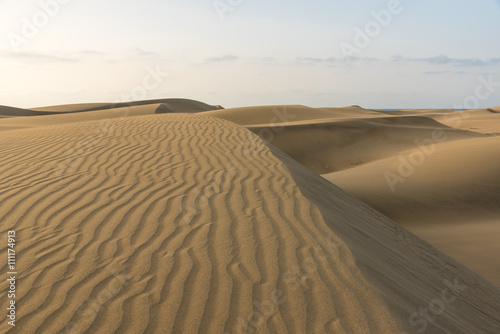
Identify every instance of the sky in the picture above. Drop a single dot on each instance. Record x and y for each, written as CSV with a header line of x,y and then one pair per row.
x,y
321,53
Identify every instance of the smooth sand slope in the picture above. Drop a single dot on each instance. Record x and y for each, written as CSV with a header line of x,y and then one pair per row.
x,y
450,197
326,147
412,276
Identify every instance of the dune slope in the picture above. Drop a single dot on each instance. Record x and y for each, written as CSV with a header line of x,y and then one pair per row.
x,y
171,224
442,165
450,197
412,276
336,145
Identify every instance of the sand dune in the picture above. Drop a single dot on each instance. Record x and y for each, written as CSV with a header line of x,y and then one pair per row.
x,y
32,122
445,196
172,234
174,105
411,275
336,145
429,180
451,201
479,120
96,111
6,112
265,115
140,220
118,108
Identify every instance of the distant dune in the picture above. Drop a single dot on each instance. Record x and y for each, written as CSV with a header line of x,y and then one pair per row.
x,y
335,145
96,111
179,105
163,105
169,217
15,112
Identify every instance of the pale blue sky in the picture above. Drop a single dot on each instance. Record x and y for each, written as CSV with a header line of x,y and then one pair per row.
x,y
428,54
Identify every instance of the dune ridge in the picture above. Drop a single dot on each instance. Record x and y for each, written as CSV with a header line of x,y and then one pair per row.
x,y
177,104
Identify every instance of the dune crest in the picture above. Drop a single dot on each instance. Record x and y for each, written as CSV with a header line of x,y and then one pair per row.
x,y
179,105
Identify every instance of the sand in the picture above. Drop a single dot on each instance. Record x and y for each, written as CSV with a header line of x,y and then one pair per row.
x,y
450,197
139,219
448,194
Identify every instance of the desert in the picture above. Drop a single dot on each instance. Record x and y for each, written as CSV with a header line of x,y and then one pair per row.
x,y
175,216
249,167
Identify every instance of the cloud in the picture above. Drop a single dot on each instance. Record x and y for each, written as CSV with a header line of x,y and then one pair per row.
x,y
445,60
443,72
436,72
35,57
133,55
222,59
268,59
332,60
309,60
91,53
138,52
264,61
439,60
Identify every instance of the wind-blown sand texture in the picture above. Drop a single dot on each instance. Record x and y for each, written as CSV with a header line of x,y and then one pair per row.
x,y
130,220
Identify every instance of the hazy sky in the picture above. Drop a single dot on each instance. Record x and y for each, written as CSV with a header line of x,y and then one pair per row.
x,y
420,53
